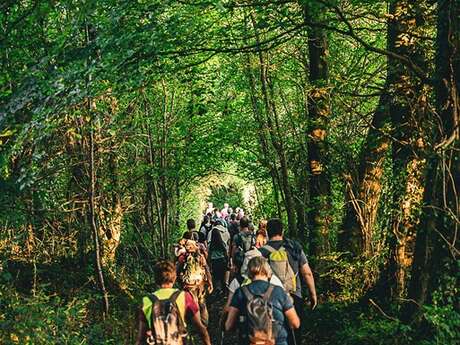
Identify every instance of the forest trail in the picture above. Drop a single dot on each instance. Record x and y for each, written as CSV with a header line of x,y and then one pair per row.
x,y
121,120
215,305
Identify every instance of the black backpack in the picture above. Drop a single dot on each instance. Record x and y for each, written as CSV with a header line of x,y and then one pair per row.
x,y
243,242
259,323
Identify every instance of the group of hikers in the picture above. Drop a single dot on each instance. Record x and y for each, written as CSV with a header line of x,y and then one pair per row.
x,y
260,270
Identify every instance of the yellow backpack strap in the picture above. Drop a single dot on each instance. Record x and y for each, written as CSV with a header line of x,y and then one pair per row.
x,y
246,281
147,305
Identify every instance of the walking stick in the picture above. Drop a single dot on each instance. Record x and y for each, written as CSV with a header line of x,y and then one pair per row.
x,y
294,340
222,338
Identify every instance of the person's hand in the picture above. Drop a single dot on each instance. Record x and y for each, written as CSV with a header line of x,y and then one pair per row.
x,y
210,288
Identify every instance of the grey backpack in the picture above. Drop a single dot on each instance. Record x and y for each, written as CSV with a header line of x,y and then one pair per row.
x,y
261,329
279,263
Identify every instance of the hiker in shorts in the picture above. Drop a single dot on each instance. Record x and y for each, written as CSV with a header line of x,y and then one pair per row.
x,y
153,327
193,271
264,312
298,268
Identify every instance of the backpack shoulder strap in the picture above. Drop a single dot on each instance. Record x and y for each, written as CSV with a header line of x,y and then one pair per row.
x,y
247,293
147,307
266,296
269,248
173,299
175,295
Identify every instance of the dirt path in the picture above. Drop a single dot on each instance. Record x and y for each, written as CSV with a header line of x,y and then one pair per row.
x,y
215,306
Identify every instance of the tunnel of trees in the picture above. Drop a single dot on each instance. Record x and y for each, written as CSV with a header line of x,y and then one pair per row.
x,y
120,119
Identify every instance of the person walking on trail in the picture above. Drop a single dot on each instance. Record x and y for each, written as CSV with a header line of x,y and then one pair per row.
x,y
289,262
206,226
233,226
224,211
265,311
163,315
193,271
218,256
242,242
241,278
261,235
219,225
191,226
210,208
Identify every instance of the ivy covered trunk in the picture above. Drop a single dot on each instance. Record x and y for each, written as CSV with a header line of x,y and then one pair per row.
x,y
408,107
435,266
318,118
359,223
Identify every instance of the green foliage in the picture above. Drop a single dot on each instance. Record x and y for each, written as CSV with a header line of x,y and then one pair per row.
x,y
226,194
348,280
45,319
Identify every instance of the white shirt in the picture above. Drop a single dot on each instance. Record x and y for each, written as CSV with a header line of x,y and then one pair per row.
x,y
273,280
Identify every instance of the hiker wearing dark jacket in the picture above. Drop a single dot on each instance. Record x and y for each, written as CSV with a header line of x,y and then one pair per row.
x,y
218,256
283,318
185,304
299,264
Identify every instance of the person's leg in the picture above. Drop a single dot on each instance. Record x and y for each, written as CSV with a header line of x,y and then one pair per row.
x,y
202,304
219,267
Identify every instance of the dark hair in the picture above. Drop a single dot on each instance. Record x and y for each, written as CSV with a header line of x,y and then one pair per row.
x,y
190,235
233,216
164,272
205,220
191,224
274,227
244,222
201,237
216,242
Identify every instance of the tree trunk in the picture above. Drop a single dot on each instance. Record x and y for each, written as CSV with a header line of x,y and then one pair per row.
x,y
89,33
361,215
274,133
407,108
436,251
319,217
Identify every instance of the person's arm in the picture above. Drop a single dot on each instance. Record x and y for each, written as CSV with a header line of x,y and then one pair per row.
x,y
231,318
208,279
232,250
141,328
196,319
224,315
307,275
292,318
227,305
192,311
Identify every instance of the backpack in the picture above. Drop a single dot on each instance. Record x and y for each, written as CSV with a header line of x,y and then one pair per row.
x,y
233,229
252,253
259,317
224,235
279,263
165,324
207,229
193,271
244,242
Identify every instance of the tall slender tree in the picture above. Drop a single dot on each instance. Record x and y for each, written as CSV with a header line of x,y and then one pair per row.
x,y
318,119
